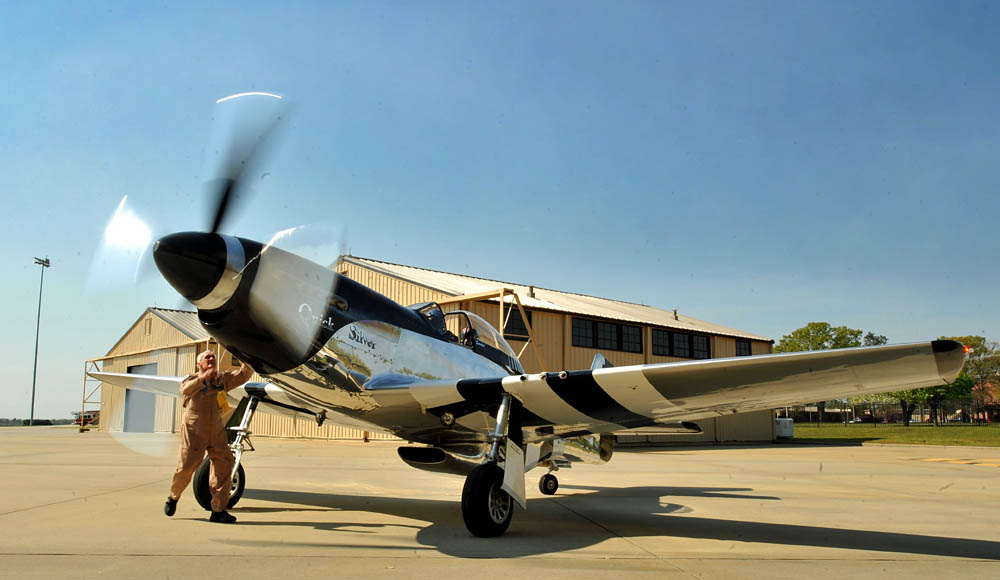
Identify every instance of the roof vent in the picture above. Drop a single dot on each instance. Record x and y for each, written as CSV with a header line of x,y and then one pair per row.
x,y
531,291
675,314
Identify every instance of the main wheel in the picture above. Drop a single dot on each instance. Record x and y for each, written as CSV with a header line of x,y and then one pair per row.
x,y
203,493
548,484
486,508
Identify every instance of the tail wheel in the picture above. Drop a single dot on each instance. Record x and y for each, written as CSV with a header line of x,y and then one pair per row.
x,y
203,493
486,509
548,484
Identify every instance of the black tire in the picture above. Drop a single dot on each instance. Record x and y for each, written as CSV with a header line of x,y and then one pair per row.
x,y
486,508
203,493
548,484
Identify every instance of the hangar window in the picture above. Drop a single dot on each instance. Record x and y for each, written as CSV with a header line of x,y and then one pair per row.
x,y
607,335
680,344
631,338
661,342
699,346
742,348
514,328
583,332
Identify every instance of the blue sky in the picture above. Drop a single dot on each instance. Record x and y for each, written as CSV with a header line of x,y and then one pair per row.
x,y
759,165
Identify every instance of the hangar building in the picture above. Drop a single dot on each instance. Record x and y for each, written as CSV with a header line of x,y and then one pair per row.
x,y
550,329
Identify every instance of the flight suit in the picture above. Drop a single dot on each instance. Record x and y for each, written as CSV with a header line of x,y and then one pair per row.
x,y
203,430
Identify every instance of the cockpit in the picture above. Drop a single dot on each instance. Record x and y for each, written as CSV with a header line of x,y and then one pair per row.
x,y
471,331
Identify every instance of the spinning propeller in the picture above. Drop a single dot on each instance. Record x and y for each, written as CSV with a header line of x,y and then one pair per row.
x,y
242,149
244,133
194,262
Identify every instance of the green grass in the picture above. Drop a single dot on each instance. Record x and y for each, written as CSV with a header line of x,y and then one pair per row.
x,y
835,433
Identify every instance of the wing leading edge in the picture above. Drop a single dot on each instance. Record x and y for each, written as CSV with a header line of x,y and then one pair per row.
x,y
617,398
170,387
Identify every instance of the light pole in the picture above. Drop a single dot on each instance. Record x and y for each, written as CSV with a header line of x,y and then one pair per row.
x,y
44,263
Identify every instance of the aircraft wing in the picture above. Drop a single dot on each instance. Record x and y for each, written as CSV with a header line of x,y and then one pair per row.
x,y
171,387
617,398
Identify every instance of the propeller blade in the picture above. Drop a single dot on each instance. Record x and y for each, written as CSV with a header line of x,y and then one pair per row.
x,y
317,242
249,121
124,248
223,196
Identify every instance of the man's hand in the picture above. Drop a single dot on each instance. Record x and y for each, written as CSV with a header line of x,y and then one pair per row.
x,y
208,374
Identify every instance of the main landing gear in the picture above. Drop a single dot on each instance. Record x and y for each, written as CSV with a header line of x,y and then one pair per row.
x,y
486,507
548,484
202,490
257,394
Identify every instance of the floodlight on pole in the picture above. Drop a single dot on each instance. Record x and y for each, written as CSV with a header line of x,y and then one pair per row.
x,y
44,263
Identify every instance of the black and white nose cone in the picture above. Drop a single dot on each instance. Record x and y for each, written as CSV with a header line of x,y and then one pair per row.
x,y
204,268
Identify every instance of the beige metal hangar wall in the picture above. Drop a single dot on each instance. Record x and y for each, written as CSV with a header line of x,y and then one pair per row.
x,y
551,317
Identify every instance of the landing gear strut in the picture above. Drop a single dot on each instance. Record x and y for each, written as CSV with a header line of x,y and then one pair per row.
x,y
486,508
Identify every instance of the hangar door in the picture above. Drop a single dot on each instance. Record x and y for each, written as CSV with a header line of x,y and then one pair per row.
x,y
140,407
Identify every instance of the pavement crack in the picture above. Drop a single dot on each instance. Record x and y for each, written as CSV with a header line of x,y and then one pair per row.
x,y
79,498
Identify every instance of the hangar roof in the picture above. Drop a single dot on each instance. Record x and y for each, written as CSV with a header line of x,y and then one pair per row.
x,y
183,320
545,299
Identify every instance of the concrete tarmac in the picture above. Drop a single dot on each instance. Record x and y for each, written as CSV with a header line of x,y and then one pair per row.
x,y
90,505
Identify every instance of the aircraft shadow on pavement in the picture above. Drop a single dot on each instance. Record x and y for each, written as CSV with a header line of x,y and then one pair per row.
x,y
577,520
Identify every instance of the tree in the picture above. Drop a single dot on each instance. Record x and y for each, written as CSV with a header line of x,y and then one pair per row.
x,y
872,401
823,336
908,400
961,388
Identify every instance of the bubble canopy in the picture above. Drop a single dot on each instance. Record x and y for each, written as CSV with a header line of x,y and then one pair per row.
x,y
471,330
487,333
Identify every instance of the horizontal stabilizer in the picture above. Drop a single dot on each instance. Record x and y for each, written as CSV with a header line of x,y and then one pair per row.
x,y
600,362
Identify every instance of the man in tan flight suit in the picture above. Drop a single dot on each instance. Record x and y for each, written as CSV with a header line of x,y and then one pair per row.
x,y
204,430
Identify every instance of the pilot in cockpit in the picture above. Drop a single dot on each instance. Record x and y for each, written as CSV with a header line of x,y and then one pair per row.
x,y
435,318
469,336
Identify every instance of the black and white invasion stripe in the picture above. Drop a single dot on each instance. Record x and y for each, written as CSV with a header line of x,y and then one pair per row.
x,y
592,398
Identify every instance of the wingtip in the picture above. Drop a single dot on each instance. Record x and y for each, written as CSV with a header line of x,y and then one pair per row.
x,y
946,345
950,358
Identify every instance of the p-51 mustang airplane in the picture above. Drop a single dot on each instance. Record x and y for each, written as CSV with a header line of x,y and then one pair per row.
x,y
333,349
